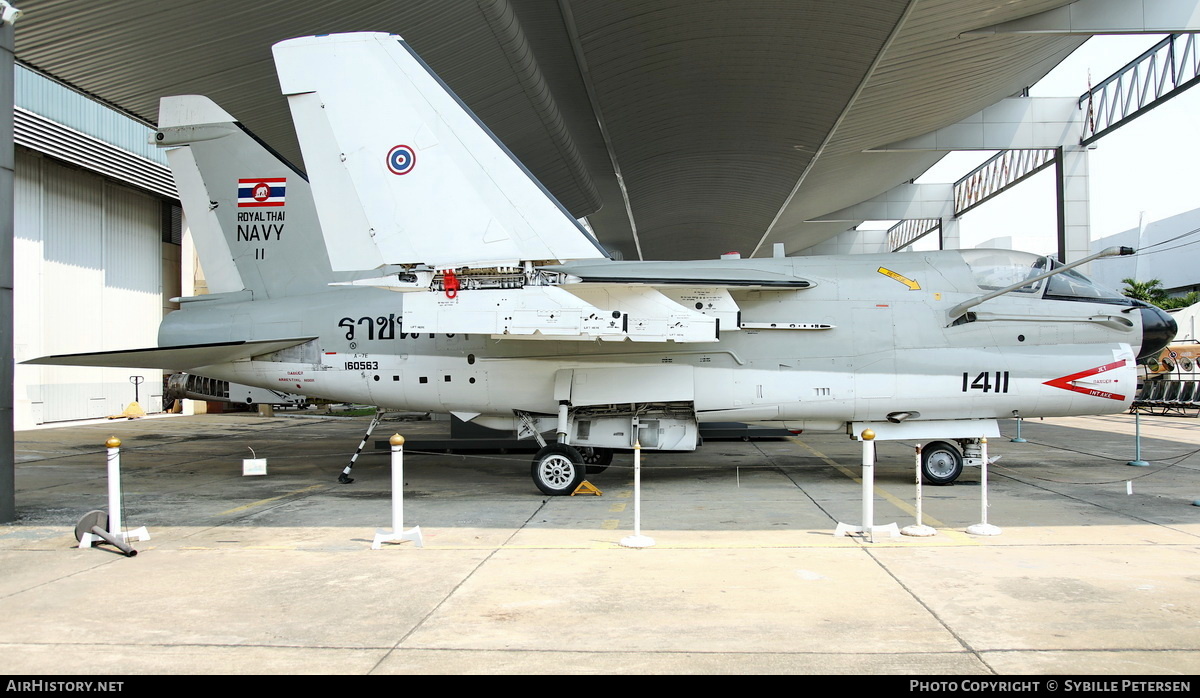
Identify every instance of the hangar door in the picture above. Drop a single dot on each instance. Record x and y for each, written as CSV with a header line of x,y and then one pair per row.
x,y
88,264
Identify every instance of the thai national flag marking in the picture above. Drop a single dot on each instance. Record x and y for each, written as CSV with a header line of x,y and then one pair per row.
x,y
261,191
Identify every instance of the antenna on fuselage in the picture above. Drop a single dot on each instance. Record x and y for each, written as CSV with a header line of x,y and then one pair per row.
x,y
955,312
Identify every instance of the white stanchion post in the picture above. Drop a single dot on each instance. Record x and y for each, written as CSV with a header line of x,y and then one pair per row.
x,y
868,527
397,534
115,524
114,484
637,540
983,528
918,529
868,483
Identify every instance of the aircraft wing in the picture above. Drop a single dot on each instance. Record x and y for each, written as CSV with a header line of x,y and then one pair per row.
x,y
611,301
708,272
179,358
404,173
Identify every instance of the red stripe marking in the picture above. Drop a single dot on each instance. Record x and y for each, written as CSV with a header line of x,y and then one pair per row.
x,y
1065,381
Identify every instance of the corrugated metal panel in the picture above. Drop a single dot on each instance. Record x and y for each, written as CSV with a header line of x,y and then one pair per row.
x,y
88,278
44,135
27,296
59,103
132,293
72,216
132,240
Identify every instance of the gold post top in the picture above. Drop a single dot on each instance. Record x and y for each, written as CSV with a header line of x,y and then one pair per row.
x,y
113,442
868,435
396,440
983,440
638,444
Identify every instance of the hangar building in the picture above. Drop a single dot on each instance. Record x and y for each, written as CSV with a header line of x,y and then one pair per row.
x,y
96,252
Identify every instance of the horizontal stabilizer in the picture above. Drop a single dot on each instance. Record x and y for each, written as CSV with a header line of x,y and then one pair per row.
x,y
403,172
180,358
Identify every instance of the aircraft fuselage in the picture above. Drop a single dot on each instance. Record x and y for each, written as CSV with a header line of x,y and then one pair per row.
x,y
877,341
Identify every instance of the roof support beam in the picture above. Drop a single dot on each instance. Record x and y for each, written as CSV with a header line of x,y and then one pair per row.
x,y
907,232
1021,123
1105,17
903,202
586,76
919,208
1029,124
908,10
1000,173
1167,69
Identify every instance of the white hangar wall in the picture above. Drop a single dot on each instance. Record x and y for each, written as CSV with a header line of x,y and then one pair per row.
x,y
89,262
96,251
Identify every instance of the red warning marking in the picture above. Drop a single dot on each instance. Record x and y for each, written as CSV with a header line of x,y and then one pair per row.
x,y
1065,381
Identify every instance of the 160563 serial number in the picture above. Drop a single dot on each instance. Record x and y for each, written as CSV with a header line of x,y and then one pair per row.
x,y
362,365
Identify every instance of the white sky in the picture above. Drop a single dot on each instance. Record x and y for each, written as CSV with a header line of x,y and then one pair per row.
x,y
1146,165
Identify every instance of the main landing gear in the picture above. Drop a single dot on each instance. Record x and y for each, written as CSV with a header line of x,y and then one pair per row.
x,y
596,459
558,469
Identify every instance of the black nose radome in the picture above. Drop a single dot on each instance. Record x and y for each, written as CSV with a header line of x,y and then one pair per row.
x,y
1158,329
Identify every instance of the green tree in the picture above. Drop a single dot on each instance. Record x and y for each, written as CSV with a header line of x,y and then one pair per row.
x,y
1181,301
1150,291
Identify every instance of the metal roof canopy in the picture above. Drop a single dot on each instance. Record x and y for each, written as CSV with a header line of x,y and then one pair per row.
x,y
707,125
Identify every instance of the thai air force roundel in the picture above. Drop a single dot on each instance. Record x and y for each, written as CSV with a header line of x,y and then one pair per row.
x,y
400,159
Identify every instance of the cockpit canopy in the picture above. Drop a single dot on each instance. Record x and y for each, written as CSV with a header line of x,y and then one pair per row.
x,y
997,269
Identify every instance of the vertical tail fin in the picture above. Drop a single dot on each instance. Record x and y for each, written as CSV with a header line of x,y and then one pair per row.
x,y
403,172
251,212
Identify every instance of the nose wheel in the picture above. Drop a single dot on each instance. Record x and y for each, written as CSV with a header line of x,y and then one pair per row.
x,y
558,469
941,463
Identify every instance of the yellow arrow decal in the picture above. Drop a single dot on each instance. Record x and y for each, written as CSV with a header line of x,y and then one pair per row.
x,y
912,285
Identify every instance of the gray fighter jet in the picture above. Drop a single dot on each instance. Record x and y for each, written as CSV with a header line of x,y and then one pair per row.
x,y
418,265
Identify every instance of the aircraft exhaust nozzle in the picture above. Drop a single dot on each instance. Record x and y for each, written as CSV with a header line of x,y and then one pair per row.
x,y
1158,329
897,417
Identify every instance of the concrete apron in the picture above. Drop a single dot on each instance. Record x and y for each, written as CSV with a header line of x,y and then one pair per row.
x,y
274,574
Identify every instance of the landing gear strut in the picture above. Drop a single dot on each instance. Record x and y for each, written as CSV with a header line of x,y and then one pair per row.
x,y
344,477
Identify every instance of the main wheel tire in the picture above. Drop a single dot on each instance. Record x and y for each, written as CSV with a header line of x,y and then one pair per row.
x,y
941,463
597,460
557,469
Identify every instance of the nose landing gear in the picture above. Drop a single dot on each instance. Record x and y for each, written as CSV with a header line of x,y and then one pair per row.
x,y
941,463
